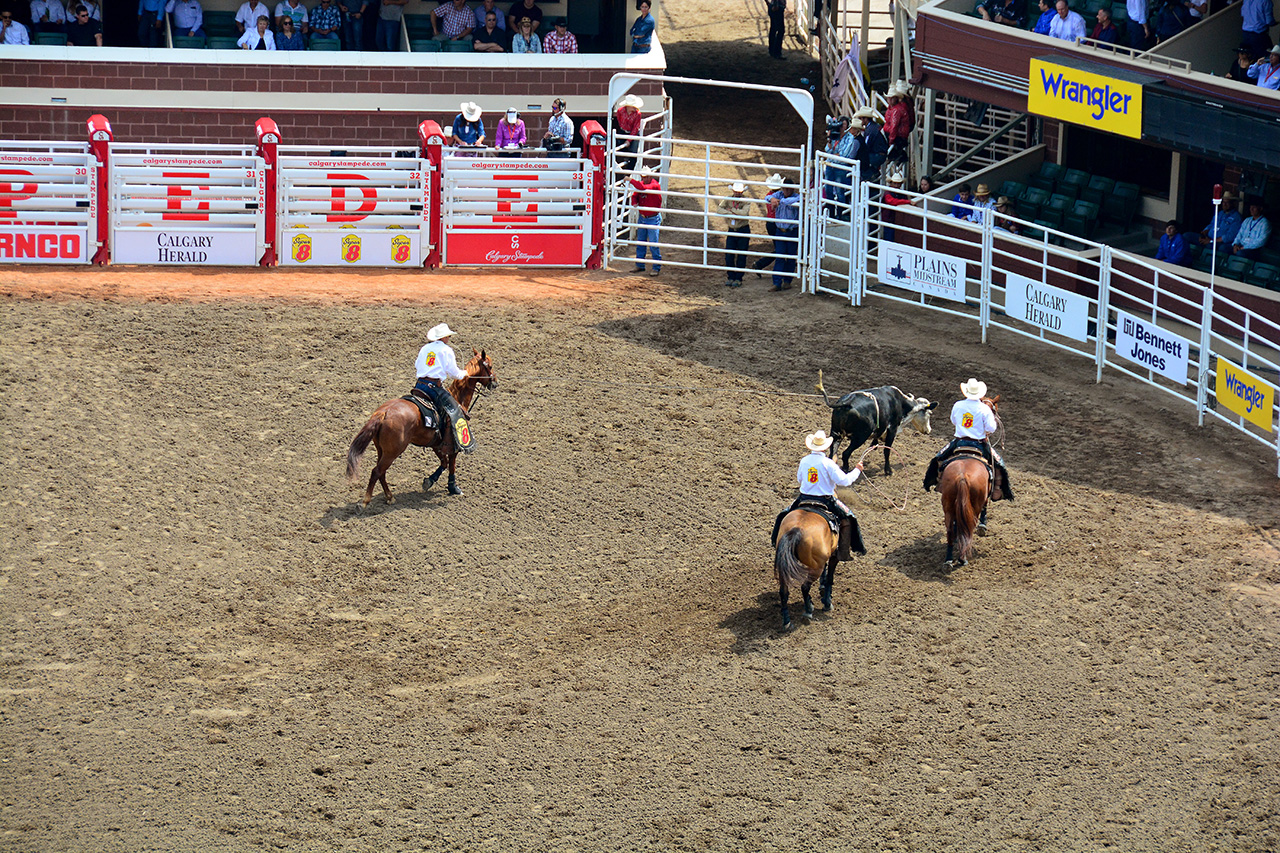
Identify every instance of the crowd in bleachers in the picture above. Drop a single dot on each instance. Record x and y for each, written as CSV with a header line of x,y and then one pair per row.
x,y
452,25
1142,24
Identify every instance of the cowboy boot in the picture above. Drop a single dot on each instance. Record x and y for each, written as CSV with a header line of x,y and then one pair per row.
x,y
931,475
843,552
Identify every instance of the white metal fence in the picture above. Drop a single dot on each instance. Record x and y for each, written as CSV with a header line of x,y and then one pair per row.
x,y
1121,311
48,203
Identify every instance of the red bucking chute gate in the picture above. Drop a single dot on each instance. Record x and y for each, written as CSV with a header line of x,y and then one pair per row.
x,y
269,203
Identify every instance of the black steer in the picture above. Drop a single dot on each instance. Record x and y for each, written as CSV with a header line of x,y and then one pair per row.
x,y
877,414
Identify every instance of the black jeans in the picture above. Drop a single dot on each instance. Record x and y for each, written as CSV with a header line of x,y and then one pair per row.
x,y
735,245
776,30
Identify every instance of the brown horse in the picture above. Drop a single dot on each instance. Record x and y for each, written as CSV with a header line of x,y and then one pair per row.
x,y
397,424
965,486
806,551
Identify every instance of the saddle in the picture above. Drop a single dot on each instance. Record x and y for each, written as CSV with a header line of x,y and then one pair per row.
x,y
431,418
967,452
848,543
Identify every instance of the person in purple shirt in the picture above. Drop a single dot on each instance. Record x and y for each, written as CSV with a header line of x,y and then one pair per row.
x,y
1173,246
511,131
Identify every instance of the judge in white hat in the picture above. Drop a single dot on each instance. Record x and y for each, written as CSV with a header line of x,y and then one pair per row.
x,y
468,129
437,363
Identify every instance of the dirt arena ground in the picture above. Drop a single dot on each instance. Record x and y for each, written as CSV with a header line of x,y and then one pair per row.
x,y
208,645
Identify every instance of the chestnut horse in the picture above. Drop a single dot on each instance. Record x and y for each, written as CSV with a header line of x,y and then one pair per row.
x,y
398,423
966,487
806,551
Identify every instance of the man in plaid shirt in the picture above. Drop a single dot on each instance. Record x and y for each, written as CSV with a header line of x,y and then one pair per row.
x,y
458,21
326,21
560,40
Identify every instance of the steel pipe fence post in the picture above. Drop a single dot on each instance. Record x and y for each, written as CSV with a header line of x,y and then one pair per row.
x,y
1104,309
1206,333
984,276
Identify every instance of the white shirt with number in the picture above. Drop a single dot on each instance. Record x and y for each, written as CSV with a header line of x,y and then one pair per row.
x,y
437,361
818,475
973,419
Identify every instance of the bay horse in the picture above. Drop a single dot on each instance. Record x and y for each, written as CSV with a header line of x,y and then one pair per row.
x,y
397,424
966,487
806,551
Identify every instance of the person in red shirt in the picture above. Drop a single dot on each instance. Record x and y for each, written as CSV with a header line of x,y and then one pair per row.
x,y
898,121
647,199
628,118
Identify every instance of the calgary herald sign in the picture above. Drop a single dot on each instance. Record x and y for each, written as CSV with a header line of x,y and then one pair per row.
x,y
926,273
165,247
1050,308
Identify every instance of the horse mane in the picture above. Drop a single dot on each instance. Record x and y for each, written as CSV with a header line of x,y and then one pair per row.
x,y
455,385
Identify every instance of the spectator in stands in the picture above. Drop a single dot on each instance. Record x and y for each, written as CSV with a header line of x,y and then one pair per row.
x,y
898,121
787,243
1047,14
83,31
1105,30
963,207
468,127
488,8
1139,27
894,198
1197,9
326,21
642,29
48,16
1172,19
1227,219
735,209
524,9
1066,24
647,199
559,135
629,120
187,17
874,140
777,11
1239,70
524,39
560,40
489,39
1173,248
290,38
94,10
258,38
390,14
1004,210
1011,13
1267,69
511,131
353,12
11,31
248,13
981,201
452,21
150,20
295,10
1253,234
1257,17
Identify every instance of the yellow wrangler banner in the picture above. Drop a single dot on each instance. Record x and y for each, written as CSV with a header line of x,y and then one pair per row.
x,y
1245,394
1082,97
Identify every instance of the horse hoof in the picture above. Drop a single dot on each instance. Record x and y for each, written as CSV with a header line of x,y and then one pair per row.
x,y
454,490
982,530
391,499
788,626
827,607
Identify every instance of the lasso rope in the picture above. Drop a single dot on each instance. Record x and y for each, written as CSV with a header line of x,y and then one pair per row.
x,y
652,387
865,479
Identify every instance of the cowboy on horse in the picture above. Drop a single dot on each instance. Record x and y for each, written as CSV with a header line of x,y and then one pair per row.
x,y
974,421
436,363
818,476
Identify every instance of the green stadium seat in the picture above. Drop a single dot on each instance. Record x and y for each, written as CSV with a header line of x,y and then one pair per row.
x,y
424,46
463,46
1097,190
1263,275
325,44
1237,267
1046,176
1081,219
1012,189
418,27
189,42
1055,210
222,43
49,39
219,23
1122,205
1204,262
1029,203
1072,182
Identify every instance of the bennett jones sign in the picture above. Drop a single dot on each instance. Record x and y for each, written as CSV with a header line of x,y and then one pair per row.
x,y
210,247
924,272
1145,343
1051,308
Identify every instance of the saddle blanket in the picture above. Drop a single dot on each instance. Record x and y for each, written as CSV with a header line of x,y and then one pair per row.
x,y
430,417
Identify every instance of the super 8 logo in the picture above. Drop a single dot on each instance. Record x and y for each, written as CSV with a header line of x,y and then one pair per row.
x,y
813,475
301,248
966,420
431,359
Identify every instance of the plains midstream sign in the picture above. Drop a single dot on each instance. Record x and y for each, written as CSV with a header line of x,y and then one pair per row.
x,y
1145,343
1051,308
928,273
1245,394
1110,101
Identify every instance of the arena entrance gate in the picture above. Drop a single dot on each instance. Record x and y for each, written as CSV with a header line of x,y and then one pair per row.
x,y
51,198
696,175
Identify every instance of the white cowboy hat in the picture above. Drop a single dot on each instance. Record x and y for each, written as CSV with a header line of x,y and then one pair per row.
x,y
631,101
866,113
900,89
818,442
774,181
974,390
738,187
439,332
471,111
645,170
896,177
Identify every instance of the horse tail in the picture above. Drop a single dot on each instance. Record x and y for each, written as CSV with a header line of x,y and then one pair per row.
x,y
825,398
786,566
964,520
366,434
